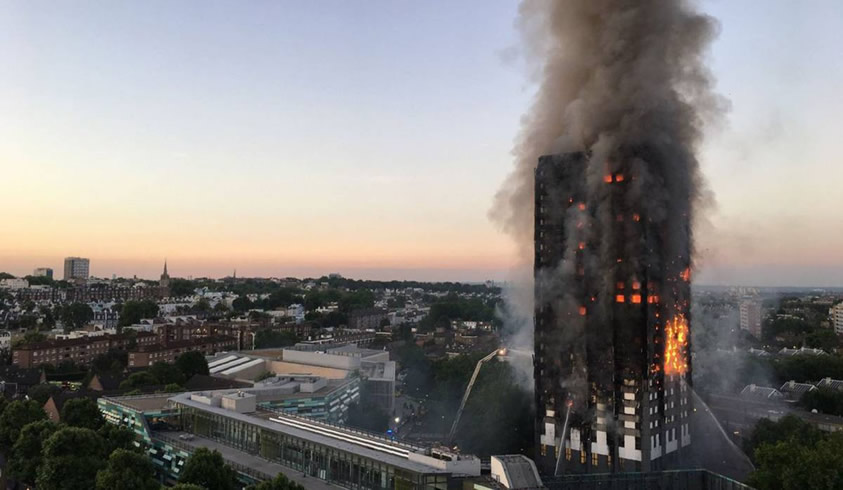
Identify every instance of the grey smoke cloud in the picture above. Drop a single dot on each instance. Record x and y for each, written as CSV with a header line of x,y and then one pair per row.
x,y
621,81
610,74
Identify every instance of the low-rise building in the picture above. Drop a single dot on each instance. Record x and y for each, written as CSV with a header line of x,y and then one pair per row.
x,y
366,318
148,355
82,350
311,397
793,391
14,283
831,384
802,351
761,393
260,444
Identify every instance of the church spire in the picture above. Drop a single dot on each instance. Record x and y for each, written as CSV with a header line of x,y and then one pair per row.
x,y
165,267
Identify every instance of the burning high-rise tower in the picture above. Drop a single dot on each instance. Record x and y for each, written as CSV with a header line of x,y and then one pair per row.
x,y
612,286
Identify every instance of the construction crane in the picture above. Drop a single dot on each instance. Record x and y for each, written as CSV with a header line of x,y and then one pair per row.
x,y
496,352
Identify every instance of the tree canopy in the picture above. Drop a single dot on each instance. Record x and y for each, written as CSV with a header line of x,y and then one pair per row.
x,y
72,458
208,469
25,457
824,400
793,464
82,412
42,392
76,315
192,363
134,311
127,470
15,416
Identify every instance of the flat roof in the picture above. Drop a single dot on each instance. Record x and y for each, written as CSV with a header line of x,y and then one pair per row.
x,y
143,403
351,448
243,458
331,386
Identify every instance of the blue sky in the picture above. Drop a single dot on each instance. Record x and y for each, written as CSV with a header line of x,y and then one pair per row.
x,y
367,137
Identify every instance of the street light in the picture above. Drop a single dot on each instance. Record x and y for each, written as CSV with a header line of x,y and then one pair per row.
x,y
397,419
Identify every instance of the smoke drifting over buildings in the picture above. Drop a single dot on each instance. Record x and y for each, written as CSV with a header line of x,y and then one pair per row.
x,y
623,97
612,75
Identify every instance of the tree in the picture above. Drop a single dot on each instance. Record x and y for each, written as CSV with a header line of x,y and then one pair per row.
x,y
241,304
202,306
823,400
789,427
280,482
823,338
192,363
173,388
48,318
72,458
127,470
186,486
25,458
793,465
134,311
42,392
39,280
76,315
82,412
30,337
117,437
181,287
207,468
15,416
112,361
139,380
166,373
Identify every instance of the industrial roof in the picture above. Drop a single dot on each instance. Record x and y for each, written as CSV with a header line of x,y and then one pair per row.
x,y
520,471
353,442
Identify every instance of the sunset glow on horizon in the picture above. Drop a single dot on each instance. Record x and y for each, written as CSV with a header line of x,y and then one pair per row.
x,y
300,142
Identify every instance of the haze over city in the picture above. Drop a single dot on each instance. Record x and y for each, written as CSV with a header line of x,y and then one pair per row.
x,y
280,141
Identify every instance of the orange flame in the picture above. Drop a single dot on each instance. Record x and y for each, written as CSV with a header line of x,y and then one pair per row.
x,y
676,346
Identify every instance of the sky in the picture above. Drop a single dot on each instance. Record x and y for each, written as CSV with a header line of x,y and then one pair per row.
x,y
368,137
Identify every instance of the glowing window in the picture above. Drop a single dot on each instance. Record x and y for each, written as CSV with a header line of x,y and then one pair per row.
x,y
620,298
635,298
582,310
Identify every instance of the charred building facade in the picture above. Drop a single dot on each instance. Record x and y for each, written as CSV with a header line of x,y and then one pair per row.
x,y
612,353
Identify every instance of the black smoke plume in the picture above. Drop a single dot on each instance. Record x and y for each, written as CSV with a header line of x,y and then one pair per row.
x,y
621,81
